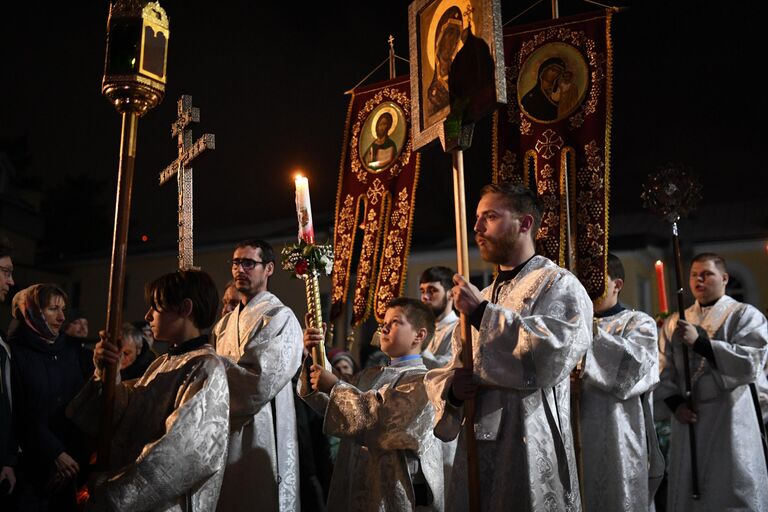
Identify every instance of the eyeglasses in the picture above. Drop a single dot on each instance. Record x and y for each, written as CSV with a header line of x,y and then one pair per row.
x,y
246,263
8,271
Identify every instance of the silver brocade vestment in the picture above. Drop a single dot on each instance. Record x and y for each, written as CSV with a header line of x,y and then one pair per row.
x,y
170,437
732,469
617,432
437,353
262,344
384,420
529,341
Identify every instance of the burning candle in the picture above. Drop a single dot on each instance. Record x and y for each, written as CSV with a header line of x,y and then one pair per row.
x,y
661,286
304,210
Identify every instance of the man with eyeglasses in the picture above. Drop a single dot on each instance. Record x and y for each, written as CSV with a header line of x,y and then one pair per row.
x,y
8,446
262,343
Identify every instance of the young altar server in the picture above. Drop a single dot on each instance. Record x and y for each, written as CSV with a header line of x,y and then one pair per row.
x,y
388,460
728,345
622,462
169,446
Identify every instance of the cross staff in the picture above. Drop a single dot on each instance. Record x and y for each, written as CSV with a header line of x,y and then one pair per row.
x,y
180,167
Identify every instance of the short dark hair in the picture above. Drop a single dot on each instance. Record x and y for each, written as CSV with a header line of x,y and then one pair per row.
x,y
6,247
267,252
615,267
418,314
711,256
519,199
169,291
443,275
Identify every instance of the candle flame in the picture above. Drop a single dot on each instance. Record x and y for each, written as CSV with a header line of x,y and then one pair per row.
x,y
659,263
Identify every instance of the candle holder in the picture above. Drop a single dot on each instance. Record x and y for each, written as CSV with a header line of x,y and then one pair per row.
x,y
308,261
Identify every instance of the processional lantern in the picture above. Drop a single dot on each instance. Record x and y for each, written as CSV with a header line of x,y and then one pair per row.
x,y
134,82
137,50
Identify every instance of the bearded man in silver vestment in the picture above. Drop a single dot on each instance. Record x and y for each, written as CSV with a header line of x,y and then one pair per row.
x,y
729,342
169,446
531,327
261,341
623,465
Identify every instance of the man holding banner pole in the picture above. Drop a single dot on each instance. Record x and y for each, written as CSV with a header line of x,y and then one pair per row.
x,y
530,328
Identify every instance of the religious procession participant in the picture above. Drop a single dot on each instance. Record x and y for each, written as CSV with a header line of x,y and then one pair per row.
x,y
169,445
261,341
388,460
9,448
435,286
622,462
729,342
531,327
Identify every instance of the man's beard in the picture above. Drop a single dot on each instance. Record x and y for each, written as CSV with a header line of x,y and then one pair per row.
x,y
440,308
497,250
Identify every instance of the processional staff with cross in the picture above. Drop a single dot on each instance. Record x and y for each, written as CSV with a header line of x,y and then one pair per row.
x,y
180,167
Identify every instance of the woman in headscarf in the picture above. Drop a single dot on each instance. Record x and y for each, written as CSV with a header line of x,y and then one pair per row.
x,y
47,375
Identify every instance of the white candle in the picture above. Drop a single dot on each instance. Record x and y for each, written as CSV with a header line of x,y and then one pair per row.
x,y
304,210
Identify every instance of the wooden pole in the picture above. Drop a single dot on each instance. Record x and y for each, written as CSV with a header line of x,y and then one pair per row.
x,y
695,494
462,250
130,123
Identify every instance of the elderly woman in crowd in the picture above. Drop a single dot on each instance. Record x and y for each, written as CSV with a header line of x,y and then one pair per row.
x,y
46,376
136,353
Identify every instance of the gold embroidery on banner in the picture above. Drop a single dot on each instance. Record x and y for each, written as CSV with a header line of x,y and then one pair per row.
x,y
403,102
345,237
549,143
375,192
596,60
592,240
395,248
381,227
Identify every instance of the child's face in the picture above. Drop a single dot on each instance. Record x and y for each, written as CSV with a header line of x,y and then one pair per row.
x,y
166,325
398,337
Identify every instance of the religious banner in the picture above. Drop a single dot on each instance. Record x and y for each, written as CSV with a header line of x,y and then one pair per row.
x,y
556,129
375,198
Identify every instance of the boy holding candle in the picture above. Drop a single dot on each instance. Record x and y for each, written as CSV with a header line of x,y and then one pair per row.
x,y
622,463
389,459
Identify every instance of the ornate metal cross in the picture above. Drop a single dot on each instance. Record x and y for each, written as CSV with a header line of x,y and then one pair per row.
x,y
180,167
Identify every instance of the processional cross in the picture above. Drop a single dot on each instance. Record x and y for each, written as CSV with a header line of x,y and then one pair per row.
x,y
188,151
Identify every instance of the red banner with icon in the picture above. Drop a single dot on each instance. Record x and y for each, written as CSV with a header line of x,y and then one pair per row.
x,y
375,199
554,135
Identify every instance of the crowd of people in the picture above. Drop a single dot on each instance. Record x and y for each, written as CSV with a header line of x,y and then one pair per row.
x,y
218,405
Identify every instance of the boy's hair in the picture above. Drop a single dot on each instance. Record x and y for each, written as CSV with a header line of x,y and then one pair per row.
x,y
443,275
169,291
6,247
711,256
519,199
267,253
615,267
417,313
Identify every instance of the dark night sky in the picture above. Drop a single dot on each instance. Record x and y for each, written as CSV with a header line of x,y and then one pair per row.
x,y
269,80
